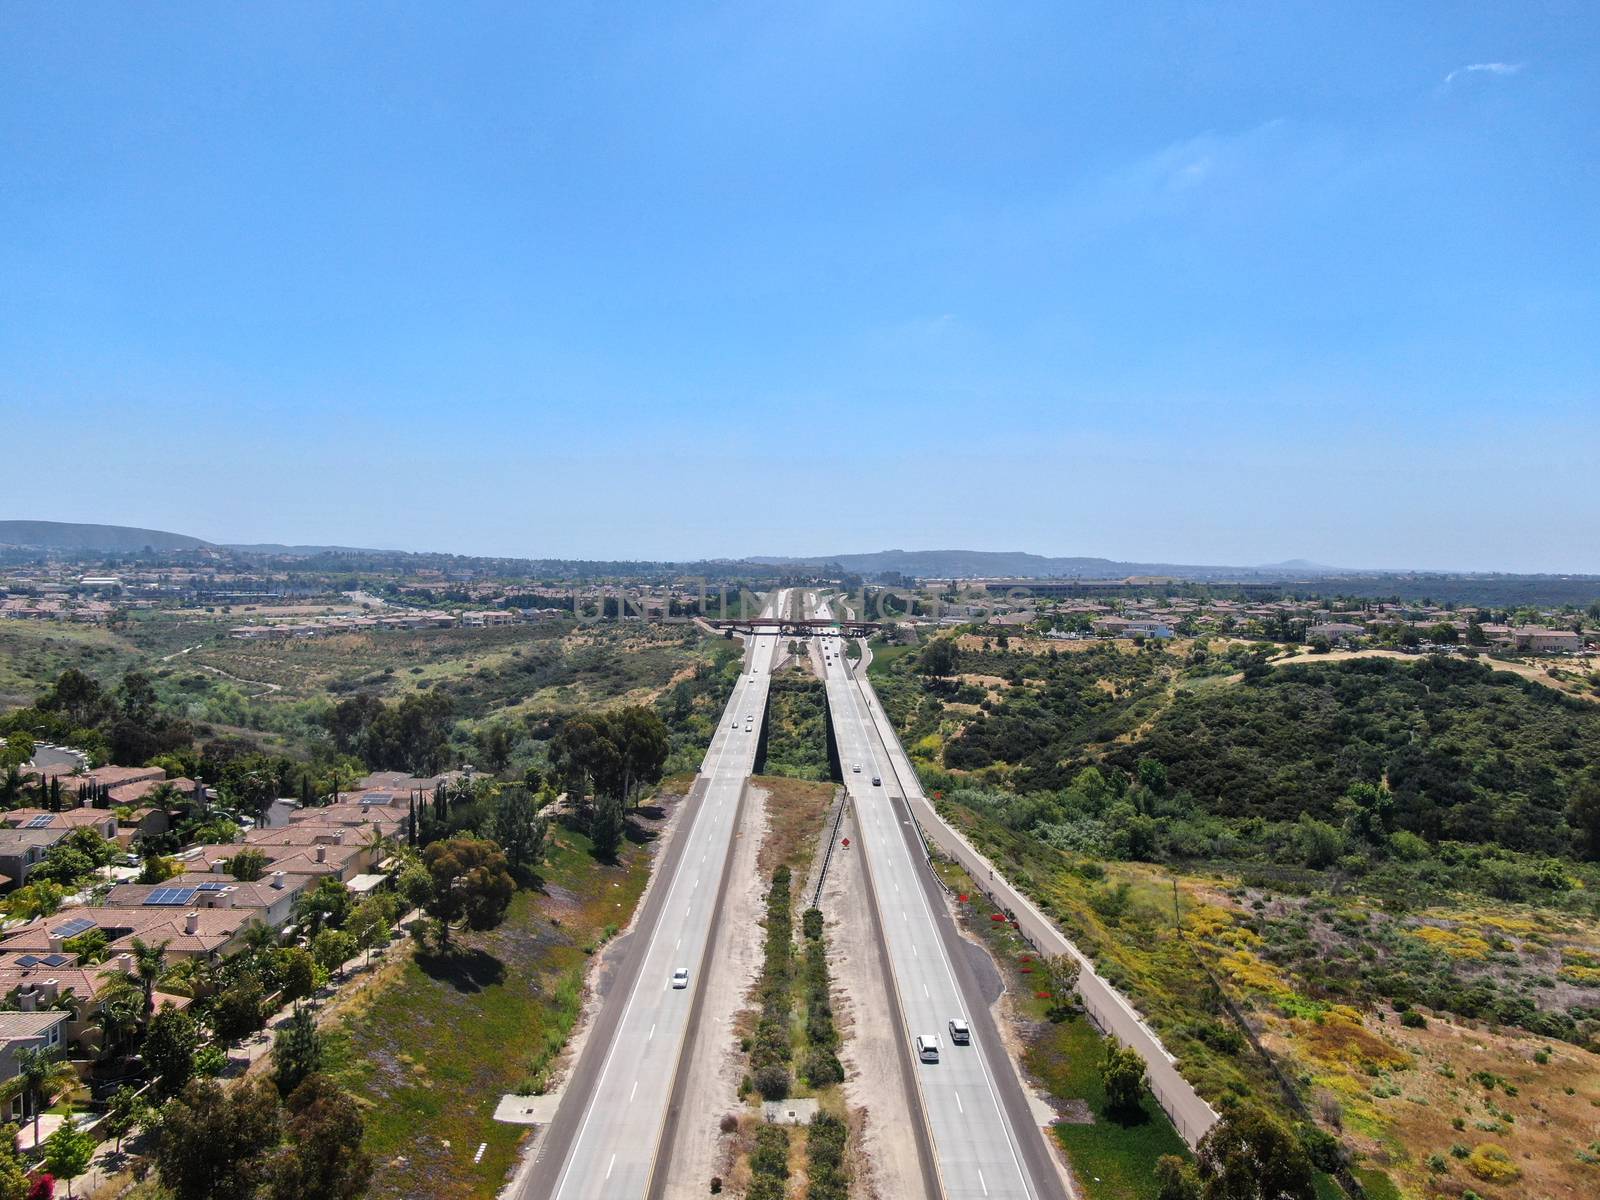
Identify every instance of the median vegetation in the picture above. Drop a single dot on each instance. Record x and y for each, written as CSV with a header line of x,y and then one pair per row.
x,y
771,1051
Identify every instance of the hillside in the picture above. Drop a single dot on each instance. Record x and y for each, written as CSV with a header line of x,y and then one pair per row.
x,y
111,539
966,564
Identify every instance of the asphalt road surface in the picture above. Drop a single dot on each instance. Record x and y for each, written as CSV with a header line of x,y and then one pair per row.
x,y
985,1140
604,1140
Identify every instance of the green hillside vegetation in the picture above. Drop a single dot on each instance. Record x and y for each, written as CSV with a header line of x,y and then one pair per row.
x,y
1388,866
797,727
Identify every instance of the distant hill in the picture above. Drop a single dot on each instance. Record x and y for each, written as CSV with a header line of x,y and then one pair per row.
x,y
110,539
307,551
1003,564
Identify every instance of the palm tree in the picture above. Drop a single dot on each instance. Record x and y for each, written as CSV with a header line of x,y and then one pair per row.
x,y
149,964
121,1013
377,843
41,1077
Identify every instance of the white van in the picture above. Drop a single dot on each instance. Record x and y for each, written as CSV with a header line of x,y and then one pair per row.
x,y
928,1047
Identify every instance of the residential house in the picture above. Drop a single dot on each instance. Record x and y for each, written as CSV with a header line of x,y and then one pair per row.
x,y
22,850
26,1030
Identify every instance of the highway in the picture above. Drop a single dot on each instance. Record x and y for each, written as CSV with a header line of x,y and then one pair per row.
x,y
606,1134
986,1142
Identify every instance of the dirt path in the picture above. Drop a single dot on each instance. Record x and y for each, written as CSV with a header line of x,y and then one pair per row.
x,y
268,688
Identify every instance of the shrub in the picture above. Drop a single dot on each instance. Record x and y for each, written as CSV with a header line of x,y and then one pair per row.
x,y
1412,1019
773,1082
811,922
822,1067
771,1154
1492,1164
729,1123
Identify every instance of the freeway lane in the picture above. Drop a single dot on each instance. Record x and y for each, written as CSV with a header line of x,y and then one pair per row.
x,y
604,1140
986,1142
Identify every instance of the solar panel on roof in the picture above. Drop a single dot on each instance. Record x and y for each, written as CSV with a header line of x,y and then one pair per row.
x,y
55,960
27,960
73,927
40,821
171,895
211,887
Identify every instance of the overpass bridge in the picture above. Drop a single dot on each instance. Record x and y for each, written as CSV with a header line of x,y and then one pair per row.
x,y
796,627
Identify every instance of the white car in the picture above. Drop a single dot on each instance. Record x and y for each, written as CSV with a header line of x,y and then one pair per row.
x,y
680,977
928,1047
856,767
960,1034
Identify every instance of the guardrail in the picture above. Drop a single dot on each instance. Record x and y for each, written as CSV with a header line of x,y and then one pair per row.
x,y
827,855
1110,1010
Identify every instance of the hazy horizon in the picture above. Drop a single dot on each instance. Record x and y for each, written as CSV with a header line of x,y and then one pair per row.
x,y
1187,285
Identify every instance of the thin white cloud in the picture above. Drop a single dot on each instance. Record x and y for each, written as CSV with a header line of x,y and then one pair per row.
x,y
1488,68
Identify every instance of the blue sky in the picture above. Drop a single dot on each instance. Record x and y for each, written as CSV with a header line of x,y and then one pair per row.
x,y
1201,283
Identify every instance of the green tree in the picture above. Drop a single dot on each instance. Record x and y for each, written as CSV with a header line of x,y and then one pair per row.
x,y
585,759
641,739
136,697
149,965
126,1111
67,1152
471,880
40,1077
332,948
14,1182
297,973
157,869
1319,843
248,865
297,1050
1251,1155
938,658
415,885
121,1015
214,1141
169,1048
1176,1179
1583,812
19,750
1367,809
237,1011
516,825
607,827
322,1155
35,900
1123,1077
327,904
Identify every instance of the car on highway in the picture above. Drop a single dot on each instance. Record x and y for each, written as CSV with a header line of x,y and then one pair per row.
x,y
960,1034
680,977
856,767
876,782
928,1047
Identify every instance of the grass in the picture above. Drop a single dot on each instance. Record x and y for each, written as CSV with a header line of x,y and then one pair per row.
x,y
447,1036
1114,1157
34,653
884,657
